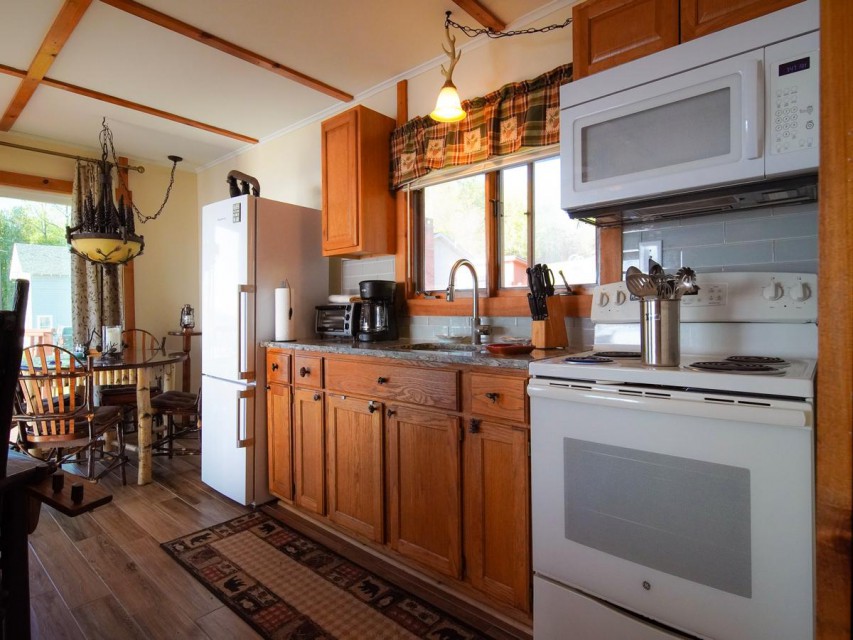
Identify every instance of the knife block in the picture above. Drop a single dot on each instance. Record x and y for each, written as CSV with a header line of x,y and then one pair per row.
x,y
550,333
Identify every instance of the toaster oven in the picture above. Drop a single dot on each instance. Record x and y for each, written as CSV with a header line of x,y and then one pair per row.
x,y
337,320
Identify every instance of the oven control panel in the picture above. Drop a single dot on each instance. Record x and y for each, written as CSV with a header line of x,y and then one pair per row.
x,y
723,297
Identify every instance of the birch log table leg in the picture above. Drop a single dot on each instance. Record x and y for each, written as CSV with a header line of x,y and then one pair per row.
x,y
143,403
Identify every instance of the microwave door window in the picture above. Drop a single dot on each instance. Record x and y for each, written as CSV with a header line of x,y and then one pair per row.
x,y
645,141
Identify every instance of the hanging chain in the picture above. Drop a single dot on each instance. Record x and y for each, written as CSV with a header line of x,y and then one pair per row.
x,y
471,32
107,140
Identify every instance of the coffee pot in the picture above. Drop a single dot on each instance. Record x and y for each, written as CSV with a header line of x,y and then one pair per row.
x,y
378,319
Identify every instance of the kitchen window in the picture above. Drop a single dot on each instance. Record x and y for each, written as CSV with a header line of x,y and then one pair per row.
x,y
503,221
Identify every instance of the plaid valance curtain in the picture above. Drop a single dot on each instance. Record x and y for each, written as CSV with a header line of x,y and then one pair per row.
x,y
516,116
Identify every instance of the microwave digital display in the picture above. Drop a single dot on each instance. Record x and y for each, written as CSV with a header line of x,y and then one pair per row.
x,y
795,65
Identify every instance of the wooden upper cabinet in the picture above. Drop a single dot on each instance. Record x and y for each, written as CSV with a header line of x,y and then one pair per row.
x,y
358,207
701,17
607,33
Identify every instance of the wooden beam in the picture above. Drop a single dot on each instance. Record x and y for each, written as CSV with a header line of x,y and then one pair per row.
x,y
834,440
194,33
61,29
482,15
40,183
127,104
402,254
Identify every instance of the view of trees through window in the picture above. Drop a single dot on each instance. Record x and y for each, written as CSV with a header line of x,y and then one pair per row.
x,y
33,247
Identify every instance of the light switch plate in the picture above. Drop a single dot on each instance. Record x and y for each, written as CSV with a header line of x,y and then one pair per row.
x,y
649,250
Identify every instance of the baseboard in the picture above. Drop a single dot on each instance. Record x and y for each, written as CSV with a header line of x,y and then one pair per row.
x,y
445,596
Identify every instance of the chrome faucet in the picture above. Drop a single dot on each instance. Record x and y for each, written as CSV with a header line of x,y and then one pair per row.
x,y
475,313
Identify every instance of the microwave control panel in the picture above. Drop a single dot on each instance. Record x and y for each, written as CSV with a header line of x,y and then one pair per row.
x,y
792,104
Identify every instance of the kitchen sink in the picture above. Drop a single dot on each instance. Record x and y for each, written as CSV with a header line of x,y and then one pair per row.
x,y
442,347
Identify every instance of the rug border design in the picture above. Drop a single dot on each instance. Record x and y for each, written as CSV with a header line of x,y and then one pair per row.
x,y
196,554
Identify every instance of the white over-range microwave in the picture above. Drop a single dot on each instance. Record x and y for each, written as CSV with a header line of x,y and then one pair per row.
x,y
737,107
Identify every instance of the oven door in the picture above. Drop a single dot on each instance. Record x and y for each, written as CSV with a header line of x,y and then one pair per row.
x,y
694,513
693,130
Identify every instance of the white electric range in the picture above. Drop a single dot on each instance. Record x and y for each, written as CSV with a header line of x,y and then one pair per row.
x,y
677,502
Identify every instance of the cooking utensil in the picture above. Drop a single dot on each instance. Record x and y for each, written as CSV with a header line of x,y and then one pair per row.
x,y
642,285
655,269
565,282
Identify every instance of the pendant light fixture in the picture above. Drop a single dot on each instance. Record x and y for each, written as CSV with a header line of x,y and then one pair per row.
x,y
448,107
106,233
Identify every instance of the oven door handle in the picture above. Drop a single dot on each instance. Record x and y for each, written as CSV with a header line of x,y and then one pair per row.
x,y
783,414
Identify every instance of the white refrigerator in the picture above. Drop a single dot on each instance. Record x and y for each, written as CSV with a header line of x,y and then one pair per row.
x,y
249,247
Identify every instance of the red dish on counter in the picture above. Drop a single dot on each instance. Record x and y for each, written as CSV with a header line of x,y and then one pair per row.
x,y
509,349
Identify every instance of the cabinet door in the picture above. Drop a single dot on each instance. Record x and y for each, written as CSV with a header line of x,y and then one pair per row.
x,y
354,444
309,450
497,511
278,441
701,17
607,33
425,497
340,182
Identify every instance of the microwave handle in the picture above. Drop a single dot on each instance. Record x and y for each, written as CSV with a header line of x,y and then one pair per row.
x,y
753,109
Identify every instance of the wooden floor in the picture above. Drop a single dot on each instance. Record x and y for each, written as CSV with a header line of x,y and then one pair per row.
x,y
103,574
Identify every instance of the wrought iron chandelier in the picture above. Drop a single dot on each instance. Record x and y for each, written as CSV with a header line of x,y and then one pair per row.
x,y
107,232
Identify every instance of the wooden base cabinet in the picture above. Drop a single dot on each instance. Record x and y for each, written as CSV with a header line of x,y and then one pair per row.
x,y
497,511
424,482
354,447
279,457
309,450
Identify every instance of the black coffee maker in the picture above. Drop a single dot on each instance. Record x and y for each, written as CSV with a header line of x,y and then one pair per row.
x,y
378,318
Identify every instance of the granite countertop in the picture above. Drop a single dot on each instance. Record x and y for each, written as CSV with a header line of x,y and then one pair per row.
x,y
401,350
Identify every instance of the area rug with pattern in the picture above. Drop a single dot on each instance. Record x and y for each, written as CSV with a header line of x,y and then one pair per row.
x,y
286,586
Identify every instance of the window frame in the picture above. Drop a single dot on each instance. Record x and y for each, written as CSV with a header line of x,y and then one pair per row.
x,y
494,300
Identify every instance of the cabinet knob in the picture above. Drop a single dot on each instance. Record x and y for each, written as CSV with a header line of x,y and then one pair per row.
x,y
493,397
474,426
304,371
275,366
391,412
316,396
268,387
371,406
381,380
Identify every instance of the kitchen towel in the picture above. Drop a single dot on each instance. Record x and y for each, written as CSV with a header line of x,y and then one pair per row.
x,y
284,330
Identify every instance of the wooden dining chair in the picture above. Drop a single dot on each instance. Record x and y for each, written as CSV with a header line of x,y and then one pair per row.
x,y
123,394
168,406
56,416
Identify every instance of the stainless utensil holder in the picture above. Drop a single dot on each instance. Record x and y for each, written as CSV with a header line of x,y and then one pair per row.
x,y
659,332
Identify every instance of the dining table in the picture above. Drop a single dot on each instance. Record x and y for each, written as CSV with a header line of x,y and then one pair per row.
x,y
134,366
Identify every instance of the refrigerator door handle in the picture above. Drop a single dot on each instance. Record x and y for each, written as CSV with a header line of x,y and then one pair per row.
x,y
243,292
244,439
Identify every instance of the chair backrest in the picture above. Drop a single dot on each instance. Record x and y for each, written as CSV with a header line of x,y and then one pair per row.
x,y
141,339
11,344
54,403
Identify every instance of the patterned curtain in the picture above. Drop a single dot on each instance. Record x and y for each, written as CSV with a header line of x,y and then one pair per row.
x,y
96,296
516,116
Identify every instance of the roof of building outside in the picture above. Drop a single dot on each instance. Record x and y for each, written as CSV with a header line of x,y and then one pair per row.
x,y
42,260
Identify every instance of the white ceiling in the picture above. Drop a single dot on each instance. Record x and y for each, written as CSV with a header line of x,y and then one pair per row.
x,y
352,45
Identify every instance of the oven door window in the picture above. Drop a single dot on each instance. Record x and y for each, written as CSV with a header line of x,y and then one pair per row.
x,y
684,517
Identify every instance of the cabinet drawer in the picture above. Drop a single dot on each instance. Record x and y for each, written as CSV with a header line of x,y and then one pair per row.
x,y
498,396
278,366
308,371
424,387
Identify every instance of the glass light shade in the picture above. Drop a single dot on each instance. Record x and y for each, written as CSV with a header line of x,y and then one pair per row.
x,y
108,248
448,107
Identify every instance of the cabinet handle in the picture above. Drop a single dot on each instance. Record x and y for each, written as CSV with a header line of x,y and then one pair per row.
x,y
381,380
268,387
391,412
371,406
493,397
275,366
316,396
304,371
474,426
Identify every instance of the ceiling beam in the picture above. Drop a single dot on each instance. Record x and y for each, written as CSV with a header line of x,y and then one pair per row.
x,y
127,104
64,24
194,33
482,15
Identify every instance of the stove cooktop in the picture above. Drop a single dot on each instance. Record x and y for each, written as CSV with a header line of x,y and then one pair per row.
x,y
760,375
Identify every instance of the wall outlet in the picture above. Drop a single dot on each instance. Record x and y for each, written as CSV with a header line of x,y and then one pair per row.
x,y
649,251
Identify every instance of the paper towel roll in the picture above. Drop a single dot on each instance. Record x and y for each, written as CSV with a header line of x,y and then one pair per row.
x,y
284,330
